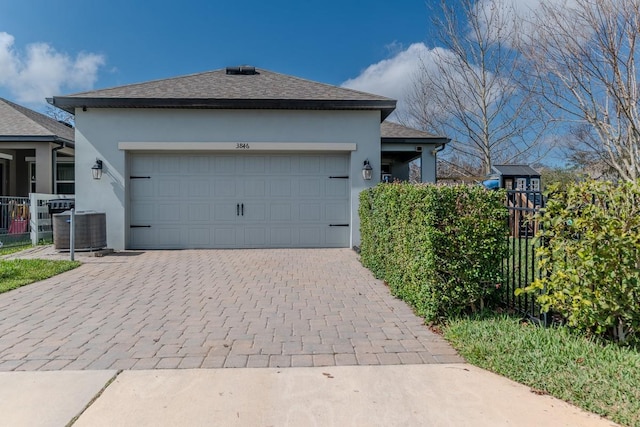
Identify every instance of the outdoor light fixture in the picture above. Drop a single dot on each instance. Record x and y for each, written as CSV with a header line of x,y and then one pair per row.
x,y
367,171
96,169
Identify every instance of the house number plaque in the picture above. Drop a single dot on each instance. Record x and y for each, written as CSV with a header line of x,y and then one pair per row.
x,y
242,146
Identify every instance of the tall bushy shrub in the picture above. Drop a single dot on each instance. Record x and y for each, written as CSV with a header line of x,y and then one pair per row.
x,y
591,259
439,248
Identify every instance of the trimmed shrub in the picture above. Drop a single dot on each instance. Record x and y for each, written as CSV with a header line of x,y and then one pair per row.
x,y
439,248
591,258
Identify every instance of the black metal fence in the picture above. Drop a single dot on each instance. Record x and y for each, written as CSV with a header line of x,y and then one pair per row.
x,y
521,266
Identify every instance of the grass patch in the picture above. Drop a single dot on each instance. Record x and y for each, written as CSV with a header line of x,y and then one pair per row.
x,y
19,272
6,250
603,379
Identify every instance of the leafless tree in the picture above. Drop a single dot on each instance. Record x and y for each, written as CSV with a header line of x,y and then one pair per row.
x,y
60,115
584,54
471,87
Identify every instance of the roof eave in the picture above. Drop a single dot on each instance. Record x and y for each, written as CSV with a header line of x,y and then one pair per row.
x,y
69,104
409,140
37,138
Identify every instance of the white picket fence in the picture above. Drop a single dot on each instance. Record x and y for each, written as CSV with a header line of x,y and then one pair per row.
x,y
41,223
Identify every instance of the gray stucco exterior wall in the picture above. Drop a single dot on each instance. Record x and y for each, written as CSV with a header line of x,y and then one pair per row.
x,y
99,131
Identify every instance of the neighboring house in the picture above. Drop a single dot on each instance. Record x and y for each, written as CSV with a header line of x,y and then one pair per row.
x,y
402,145
517,177
36,153
235,158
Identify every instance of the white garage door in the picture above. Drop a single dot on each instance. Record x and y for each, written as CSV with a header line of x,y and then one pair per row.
x,y
238,200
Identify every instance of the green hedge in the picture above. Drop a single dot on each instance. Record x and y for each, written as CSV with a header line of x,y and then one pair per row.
x,y
591,259
439,248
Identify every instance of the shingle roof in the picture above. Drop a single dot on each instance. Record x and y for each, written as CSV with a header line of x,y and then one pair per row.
x,y
515,170
390,130
20,123
217,89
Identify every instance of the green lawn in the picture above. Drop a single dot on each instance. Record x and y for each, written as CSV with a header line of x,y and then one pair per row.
x,y
19,272
6,250
604,379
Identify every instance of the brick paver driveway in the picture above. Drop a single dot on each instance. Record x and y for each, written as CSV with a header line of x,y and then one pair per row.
x,y
213,309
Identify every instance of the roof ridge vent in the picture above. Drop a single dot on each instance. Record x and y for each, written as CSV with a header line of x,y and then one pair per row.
x,y
244,70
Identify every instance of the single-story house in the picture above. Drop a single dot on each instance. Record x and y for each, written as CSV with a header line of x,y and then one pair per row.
x,y
517,177
36,153
236,158
402,145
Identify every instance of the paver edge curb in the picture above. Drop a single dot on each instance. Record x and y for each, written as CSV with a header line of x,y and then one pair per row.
x,y
94,398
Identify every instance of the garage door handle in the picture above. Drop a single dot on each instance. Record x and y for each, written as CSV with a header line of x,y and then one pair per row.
x,y
340,177
139,226
237,209
242,209
338,225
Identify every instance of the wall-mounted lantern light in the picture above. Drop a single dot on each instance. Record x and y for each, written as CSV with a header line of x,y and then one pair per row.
x,y
367,171
96,169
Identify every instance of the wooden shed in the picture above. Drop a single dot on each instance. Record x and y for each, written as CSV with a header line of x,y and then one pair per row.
x,y
517,177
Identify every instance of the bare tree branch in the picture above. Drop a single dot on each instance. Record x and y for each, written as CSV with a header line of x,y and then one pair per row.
x,y
60,115
584,60
474,89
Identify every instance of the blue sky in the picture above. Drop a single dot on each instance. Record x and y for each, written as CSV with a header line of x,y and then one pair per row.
x,y
50,47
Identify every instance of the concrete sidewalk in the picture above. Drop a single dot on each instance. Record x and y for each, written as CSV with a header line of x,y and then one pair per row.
x,y
408,395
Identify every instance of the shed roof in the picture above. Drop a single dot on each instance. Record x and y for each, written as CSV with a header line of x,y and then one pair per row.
x,y
220,89
515,170
20,123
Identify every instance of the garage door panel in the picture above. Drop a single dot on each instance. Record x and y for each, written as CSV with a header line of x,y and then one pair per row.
x,y
198,164
336,212
310,188
338,188
225,188
169,237
199,188
225,237
199,237
336,164
168,212
254,236
310,212
280,165
225,211
199,212
310,237
281,237
310,165
168,188
253,212
281,212
143,238
169,165
337,237
255,165
224,165
141,189
254,187
196,200
141,165
142,213
281,187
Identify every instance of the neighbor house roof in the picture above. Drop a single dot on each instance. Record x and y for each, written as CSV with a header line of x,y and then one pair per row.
x,y
18,123
515,170
260,89
394,132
